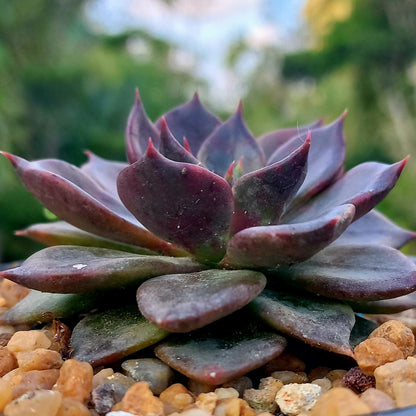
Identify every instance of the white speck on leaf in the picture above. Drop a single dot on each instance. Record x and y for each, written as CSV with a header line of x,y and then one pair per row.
x,y
79,266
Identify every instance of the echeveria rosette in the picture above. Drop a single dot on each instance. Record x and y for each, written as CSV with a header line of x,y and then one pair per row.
x,y
230,241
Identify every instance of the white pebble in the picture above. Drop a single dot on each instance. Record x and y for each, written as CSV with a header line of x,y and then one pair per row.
x,y
297,399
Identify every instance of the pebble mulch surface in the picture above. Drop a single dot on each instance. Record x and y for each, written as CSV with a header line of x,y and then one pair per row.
x,y
38,377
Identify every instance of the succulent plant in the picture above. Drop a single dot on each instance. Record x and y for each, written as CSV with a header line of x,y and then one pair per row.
x,y
227,244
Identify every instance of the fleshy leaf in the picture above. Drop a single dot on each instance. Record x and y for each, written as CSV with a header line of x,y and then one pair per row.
x,y
73,269
269,142
278,245
364,186
183,203
77,199
362,329
62,233
170,147
106,337
138,130
395,305
375,228
223,351
39,307
103,171
200,298
191,120
231,141
260,196
326,158
319,322
354,272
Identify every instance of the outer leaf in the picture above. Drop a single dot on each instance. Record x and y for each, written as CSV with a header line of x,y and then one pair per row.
x,y
74,197
326,158
354,272
39,307
319,322
228,143
180,202
73,269
170,147
191,120
375,228
279,245
362,329
103,171
106,337
62,233
138,130
270,142
200,298
364,186
221,352
260,196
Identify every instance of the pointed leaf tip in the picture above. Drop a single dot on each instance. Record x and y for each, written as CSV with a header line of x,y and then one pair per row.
x,y
186,145
137,95
151,151
12,158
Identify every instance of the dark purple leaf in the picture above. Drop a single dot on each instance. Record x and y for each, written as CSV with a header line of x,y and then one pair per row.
x,y
375,228
229,142
138,131
200,298
326,157
260,196
106,337
73,269
394,305
77,199
278,245
223,351
61,233
354,272
183,203
103,171
363,186
319,322
170,147
269,142
362,329
39,307
191,120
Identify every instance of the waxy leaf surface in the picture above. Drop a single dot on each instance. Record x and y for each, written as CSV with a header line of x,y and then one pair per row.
x,y
39,307
278,245
364,186
269,142
230,142
184,302
138,131
183,203
260,196
105,337
326,158
73,269
191,120
221,352
363,327
62,233
354,272
76,198
375,228
319,322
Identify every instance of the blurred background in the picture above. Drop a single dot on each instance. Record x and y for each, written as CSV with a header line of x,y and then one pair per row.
x,y
68,69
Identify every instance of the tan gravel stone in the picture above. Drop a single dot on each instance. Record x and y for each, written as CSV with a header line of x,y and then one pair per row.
x,y
377,400
207,402
318,372
240,384
12,292
27,381
297,399
28,341
39,359
339,401
7,361
6,394
225,393
139,400
324,383
288,377
334,375
102,377
397,333
75,380
70,407
263,399
176,398
228,407
35,403
375,352
197,387
404,393
390,373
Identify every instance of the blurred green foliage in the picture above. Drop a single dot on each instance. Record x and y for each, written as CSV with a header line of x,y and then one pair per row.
x,y
64,89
